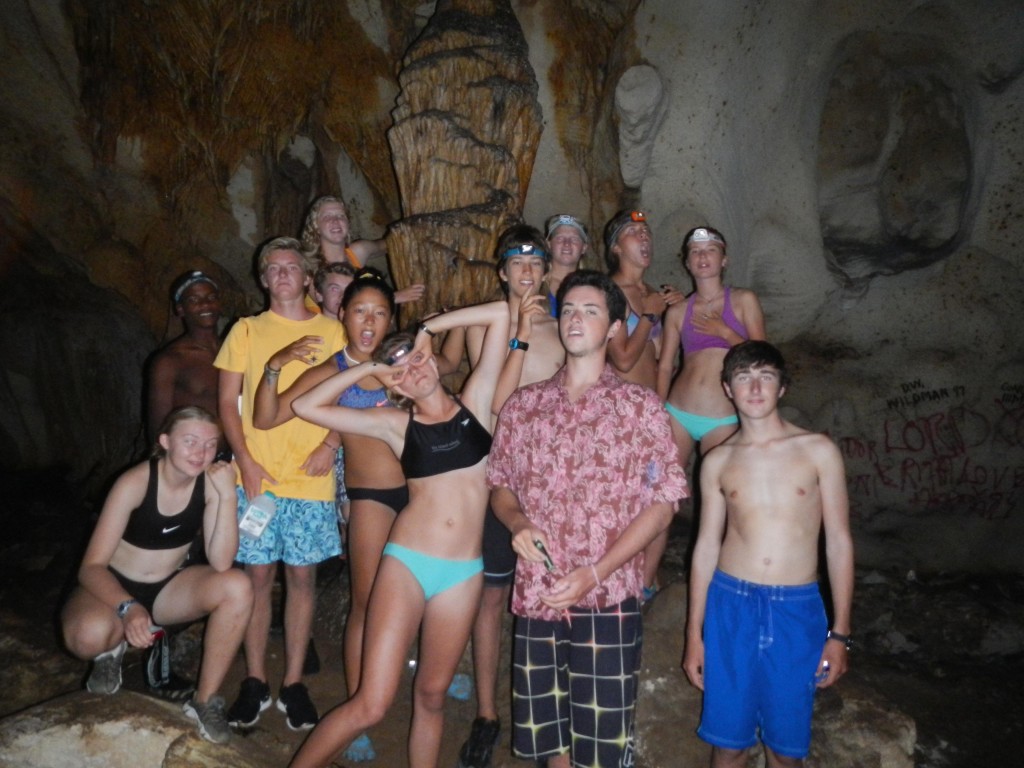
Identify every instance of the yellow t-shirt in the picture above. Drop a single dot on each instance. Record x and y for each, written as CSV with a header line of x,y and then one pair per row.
x,y
283,449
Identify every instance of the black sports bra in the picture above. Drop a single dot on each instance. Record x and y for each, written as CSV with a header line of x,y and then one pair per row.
x,y
148,529
433,449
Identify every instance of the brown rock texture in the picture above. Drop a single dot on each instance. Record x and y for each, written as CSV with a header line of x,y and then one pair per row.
x,y
465,133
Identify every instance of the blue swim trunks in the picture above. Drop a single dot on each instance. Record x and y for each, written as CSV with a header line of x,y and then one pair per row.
x,y
762,645
302,532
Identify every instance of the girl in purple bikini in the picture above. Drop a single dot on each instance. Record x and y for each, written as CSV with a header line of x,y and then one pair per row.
x,y
713,319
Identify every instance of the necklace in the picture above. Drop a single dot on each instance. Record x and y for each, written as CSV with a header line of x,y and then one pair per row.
x,y
713,299
352,362
709,302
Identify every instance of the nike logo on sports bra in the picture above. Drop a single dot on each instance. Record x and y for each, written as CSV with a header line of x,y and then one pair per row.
x,y
172,528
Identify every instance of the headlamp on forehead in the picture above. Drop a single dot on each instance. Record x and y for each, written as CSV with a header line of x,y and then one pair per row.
x,y
567,220
619,222
701,235
526,249
368,274
189,279
399,353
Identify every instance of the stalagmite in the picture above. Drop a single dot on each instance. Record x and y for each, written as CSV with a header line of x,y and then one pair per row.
x,y
465,134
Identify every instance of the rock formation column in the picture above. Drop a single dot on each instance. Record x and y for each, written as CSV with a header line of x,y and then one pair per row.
x,y
640,106
465,134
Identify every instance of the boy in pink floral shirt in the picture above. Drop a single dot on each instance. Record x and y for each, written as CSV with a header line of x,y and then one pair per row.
x,y
584,472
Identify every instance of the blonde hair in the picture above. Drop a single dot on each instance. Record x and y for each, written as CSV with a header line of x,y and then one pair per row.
x,y
176,417
306,259
310,234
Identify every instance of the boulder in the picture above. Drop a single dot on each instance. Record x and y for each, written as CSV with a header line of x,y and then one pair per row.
x,y
127,730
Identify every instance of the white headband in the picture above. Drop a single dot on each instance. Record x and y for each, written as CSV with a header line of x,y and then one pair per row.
x,y
701,235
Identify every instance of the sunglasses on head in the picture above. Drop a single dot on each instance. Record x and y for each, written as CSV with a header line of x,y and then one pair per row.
x,y
399,353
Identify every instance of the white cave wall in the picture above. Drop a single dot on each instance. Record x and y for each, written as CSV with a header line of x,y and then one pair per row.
x,y
918,375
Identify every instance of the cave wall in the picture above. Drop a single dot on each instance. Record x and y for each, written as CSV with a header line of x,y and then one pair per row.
x,y
863,160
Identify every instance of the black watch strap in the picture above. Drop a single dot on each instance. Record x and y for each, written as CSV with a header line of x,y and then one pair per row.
x,y
844,639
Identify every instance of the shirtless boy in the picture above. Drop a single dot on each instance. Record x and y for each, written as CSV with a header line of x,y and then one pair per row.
x,y
757,638
182,373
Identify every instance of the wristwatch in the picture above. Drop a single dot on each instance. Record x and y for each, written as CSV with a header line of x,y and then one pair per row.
x,y
844,639
123,607
517,344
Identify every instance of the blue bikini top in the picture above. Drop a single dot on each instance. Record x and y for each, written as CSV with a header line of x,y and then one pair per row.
x,y
357,397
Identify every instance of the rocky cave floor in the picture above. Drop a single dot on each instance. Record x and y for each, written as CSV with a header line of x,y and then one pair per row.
x,y
946,649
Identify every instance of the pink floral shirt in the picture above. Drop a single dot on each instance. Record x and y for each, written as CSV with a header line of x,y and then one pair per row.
x,y
582,471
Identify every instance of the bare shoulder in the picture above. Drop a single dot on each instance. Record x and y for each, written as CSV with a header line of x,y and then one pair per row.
x,y
176,347
675,313
367,249
823,446
743,297
131,484
719,456
812,441
816,446
135,474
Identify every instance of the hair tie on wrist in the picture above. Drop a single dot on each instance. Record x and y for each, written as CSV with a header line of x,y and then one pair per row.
x,y
593,569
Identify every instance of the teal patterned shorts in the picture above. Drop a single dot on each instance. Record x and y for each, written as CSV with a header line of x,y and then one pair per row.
x,y
303,532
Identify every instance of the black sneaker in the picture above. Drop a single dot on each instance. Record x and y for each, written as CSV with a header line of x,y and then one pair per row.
x,y
294,701
476,752
253,698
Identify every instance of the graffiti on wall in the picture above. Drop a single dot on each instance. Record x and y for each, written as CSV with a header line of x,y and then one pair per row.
x,y
933,451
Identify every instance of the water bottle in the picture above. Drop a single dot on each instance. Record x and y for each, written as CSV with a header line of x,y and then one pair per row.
x,y
257,515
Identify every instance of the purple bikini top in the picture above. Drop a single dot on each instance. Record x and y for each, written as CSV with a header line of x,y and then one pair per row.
x,y
693,341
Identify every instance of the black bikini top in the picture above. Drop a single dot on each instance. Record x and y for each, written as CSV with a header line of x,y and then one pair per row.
x,y
433,449
148,529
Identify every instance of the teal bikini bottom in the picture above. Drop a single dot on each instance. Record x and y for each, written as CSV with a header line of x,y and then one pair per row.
x,y
435,574
698,426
